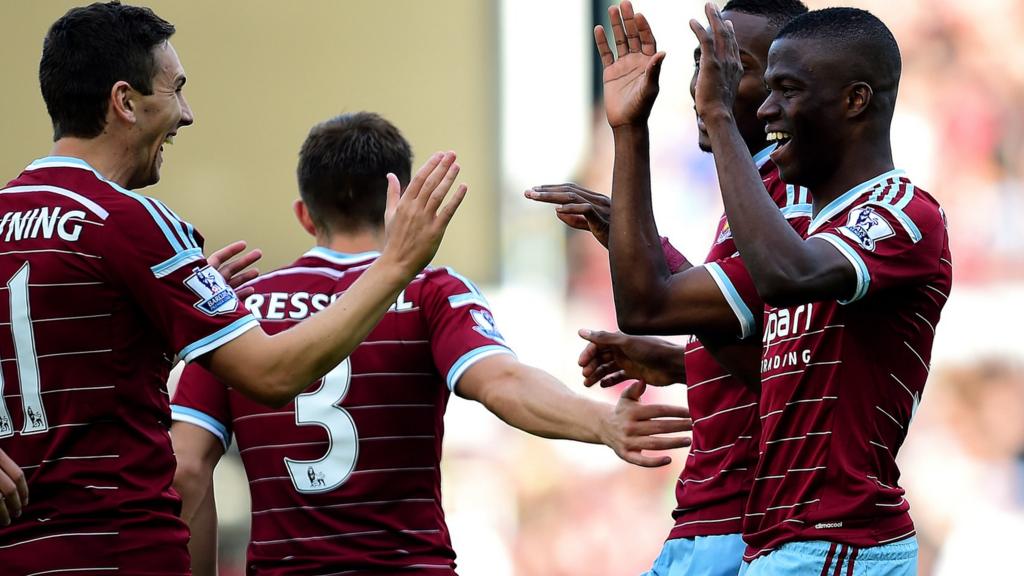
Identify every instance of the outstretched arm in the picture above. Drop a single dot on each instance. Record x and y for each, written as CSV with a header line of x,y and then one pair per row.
x,y
534,401
611,357
648,297
584,209
273,369
786,269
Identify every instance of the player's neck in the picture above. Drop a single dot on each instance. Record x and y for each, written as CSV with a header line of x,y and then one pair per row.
x,y
856,167
98,153
353,242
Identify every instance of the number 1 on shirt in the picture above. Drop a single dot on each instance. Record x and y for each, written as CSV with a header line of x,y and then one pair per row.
x,y
25,359
320,407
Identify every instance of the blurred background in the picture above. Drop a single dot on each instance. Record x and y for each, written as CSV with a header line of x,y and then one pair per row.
x,y
511,86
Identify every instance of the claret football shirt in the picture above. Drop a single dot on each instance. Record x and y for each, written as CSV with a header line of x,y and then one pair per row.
x,y
712,489
841,380
346,479
100,288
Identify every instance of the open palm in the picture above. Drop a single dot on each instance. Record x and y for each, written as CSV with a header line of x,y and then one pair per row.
x,y
631,81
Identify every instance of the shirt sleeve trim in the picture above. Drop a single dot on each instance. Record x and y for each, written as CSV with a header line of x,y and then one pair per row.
x,y
218,338
732,296
204,421
859,267
177,261
470,358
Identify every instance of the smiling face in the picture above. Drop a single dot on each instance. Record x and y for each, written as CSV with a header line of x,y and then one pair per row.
x,y
754,35
805,112
158,116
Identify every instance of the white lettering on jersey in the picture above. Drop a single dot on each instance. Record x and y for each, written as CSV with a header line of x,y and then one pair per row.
x,y
400,304
785,323
275,311
42,222
781,324
299,308
253,304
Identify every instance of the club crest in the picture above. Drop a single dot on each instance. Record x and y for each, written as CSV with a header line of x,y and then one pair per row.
x,y
215,296
867,227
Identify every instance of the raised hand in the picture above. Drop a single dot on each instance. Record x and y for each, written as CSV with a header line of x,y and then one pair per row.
x,y
721,69
13,490
612,357
577,207
236,272
415,221
631,82
634,427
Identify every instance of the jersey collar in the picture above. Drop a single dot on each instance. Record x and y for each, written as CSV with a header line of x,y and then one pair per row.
x,y
342,258
60,162
842,202
762,157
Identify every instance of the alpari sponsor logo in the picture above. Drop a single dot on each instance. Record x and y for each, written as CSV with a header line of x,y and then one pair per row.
x,y
785,322
786,360
781,324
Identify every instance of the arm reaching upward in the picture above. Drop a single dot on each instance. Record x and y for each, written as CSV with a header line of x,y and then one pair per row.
x,y
786,268
273,369
648,297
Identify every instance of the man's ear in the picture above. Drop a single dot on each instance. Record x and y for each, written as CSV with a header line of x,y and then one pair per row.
x,y
302,215
858,99
123,101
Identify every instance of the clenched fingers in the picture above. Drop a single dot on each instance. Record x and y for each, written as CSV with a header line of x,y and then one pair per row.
x,y
13,489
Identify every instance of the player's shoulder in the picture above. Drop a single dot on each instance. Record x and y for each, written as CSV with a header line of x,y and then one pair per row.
x,y
901,203
446,282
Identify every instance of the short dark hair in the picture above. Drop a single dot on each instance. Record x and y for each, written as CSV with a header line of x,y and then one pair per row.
x,y
343,167
777,12
864,41
86,52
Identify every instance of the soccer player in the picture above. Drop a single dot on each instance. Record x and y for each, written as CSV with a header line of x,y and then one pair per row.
x,y
348,478
659,291
852,304
104,286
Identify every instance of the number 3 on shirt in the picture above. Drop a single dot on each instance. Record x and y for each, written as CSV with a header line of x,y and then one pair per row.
x,y
320,407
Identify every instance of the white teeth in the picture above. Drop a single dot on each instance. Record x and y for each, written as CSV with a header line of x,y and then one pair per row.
x,y
777,136
169,139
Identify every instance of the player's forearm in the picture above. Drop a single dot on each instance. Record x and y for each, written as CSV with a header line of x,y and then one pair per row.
x,y
776,256
202,546
536,402
191,482
273,370
640,273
